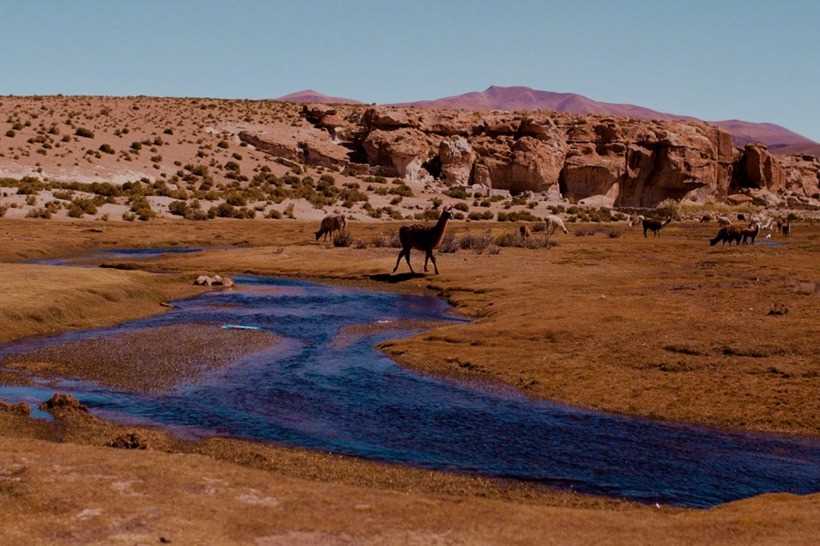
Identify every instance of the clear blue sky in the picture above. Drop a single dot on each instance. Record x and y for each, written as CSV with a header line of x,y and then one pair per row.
x,y
754,60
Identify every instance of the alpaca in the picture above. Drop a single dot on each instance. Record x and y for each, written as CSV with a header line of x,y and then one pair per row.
x,y
524,232
749,233
655,226
553,222
329,225
634,220
421,237
728,234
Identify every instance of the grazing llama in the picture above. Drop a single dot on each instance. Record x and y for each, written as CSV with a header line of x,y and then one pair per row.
x,y
424,238
329,225
655,226
749,233
728,234
785,227
553,222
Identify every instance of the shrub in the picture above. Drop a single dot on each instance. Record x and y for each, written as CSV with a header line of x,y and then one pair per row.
x,y
106,149
342,239
463,207
486,215
456,192
3,210
83,132
449,244
10,133
274,215
476,242
178,208
41,213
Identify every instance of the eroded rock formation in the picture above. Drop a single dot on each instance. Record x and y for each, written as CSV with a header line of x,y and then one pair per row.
x,y
596,159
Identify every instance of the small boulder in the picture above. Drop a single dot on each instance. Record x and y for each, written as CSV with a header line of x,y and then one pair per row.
x,y
21,408
62,402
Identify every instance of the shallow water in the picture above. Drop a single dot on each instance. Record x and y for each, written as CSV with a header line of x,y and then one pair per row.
x,y
347,397
130,253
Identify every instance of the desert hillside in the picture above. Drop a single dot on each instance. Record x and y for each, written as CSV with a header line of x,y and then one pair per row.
x,y
139,157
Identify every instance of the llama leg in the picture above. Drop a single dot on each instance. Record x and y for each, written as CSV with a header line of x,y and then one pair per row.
x,y
433,258
407,258
398,260
426,259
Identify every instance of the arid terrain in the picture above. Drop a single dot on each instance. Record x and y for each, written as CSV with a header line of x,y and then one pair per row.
x,y
602,317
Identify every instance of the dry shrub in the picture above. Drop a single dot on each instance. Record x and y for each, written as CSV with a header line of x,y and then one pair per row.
x,y
387,241
3,210
343,239
477,243
449,245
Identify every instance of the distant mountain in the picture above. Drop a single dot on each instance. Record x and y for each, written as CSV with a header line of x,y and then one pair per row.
x,y
309,95
777,138
525,98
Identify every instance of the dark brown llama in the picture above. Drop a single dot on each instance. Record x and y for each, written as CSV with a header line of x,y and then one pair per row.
x,y
329,225
422,237
728,234
655,226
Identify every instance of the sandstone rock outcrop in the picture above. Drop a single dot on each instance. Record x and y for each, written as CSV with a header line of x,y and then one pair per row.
x,y
760,169
590,158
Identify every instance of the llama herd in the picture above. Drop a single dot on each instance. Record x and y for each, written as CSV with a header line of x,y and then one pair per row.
x,y
426,238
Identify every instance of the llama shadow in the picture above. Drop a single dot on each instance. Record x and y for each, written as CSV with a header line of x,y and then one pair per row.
x,y
393,279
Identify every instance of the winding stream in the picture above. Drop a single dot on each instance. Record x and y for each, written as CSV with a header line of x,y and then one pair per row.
x,y
325,390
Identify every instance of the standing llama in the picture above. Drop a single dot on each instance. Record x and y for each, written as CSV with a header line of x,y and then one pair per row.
x,y
655,226
329,225
424,238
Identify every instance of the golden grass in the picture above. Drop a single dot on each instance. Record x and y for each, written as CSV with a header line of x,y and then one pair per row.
x,y
39,299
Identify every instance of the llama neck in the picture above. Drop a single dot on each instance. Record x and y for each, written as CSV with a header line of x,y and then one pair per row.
x,y
438,229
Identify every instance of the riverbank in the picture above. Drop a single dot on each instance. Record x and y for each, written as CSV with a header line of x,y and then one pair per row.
x,y
624,324
649,327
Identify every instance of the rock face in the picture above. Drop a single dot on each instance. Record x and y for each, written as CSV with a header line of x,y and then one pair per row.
x,y
760,169
589,158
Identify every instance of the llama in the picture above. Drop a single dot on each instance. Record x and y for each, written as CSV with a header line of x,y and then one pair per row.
x,y
728,234
724,221
553,222
655,226
421,237
524,232
329,225
749,233
634,220
785,227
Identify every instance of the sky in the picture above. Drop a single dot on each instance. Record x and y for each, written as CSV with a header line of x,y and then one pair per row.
x,y
719,59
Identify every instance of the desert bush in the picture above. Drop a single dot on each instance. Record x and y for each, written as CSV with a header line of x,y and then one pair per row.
x,y
476,216
83,132
463,207
3,210
387,241
106,149
274,215
40,212
178,208
342,239
449,244
476,243
31,200
456,192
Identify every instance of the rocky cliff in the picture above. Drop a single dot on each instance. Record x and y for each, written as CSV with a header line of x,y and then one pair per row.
x,y
600,160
